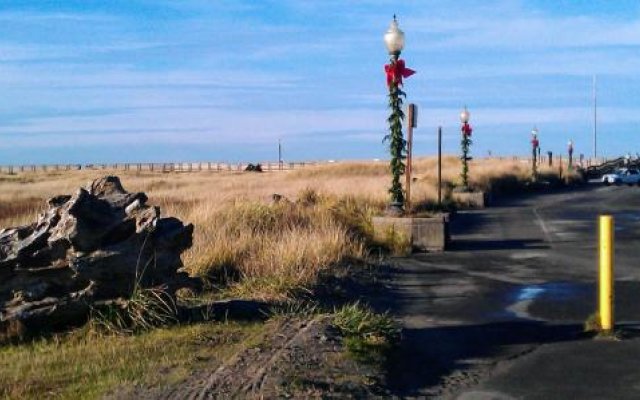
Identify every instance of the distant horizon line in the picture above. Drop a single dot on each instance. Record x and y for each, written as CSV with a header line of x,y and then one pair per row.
x,y
225,164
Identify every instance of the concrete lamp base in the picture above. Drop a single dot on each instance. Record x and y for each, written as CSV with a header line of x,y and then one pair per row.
x,y
470,199
422,234
394,210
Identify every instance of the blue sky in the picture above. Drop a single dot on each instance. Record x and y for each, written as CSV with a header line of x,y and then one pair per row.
x,y
160,80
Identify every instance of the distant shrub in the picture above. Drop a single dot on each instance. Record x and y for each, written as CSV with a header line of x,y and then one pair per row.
x,y
253,168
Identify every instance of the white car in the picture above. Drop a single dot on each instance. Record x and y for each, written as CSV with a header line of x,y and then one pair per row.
x,y
623,175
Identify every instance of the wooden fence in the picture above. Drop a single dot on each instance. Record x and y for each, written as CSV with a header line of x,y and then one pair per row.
x,y
155,167
584,162
266,166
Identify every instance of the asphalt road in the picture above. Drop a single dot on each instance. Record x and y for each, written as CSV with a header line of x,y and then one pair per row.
x,y
501,314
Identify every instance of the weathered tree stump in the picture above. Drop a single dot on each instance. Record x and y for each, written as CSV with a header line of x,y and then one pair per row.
x,y
84,250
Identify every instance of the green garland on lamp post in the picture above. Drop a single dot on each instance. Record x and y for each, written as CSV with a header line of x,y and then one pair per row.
x,y
396,71
397,144
535,145
465,144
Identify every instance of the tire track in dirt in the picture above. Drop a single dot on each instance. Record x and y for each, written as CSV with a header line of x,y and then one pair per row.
x,y
245,374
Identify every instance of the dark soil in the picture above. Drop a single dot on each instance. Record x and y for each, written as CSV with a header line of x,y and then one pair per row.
x,y
296,358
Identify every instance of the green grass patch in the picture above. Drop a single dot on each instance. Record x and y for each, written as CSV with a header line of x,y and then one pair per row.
x,y
86,365
592,325
368,336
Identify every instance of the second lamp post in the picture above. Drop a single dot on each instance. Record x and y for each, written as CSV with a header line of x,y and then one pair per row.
x,y
535,144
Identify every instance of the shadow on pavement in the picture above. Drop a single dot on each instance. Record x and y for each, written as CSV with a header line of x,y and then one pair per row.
x,y
514,244
516,199
468,222
427,355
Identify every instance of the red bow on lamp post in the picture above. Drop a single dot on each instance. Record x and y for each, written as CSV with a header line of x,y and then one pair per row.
x,y
465,145
535,143
396,71
466,129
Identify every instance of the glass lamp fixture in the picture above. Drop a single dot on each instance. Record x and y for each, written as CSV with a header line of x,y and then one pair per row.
x,y
464,115
394,38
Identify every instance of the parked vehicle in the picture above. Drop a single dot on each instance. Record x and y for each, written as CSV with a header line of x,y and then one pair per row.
x,y
629,176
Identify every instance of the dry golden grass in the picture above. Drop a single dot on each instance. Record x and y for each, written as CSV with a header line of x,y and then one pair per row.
x,y
274,248
270,249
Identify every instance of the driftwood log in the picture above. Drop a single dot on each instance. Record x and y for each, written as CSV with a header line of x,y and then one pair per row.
x,y
86,249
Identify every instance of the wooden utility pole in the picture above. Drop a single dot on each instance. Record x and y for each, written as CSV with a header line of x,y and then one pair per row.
x,y
440,166
595,119
280,154
412,118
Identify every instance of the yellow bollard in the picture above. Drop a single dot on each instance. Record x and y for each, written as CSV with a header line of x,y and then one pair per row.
x,y
606,273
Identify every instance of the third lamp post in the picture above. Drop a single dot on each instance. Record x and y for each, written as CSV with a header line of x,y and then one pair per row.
x,y
465,143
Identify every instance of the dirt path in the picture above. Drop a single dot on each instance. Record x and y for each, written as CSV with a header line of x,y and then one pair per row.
x,y
295,358
248,373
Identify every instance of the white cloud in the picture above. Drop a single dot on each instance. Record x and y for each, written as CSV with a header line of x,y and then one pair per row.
x,y
68,75
34,16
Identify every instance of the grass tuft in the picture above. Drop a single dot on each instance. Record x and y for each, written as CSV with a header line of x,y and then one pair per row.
x,y
147,308
592,323
368,335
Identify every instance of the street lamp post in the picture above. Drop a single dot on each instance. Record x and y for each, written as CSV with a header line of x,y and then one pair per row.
x,y
535,145
570,151
465,143
395,72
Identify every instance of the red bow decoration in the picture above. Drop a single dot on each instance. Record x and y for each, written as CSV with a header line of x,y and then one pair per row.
x,y
396,71
535,143
466,130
